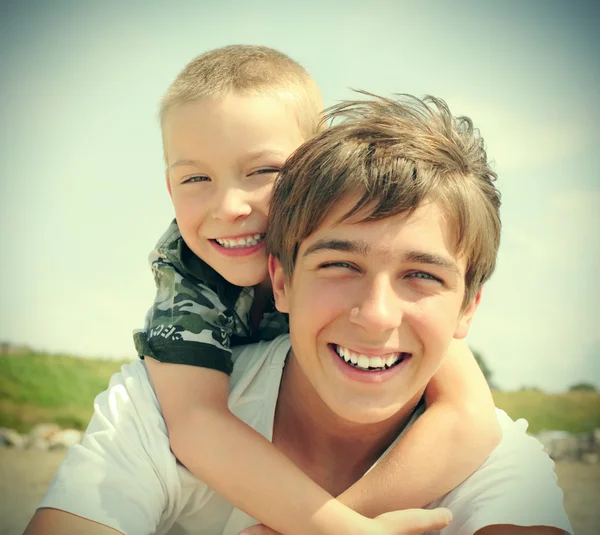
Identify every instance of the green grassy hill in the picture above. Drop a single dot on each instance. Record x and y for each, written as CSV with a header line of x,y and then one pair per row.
x,y
37,387
576,412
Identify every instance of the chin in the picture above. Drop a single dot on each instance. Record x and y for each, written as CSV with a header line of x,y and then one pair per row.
x,y
240,275
368,418
369,412
245,279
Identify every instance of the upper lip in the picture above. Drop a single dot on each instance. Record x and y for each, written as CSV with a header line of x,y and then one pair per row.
x,y
372,351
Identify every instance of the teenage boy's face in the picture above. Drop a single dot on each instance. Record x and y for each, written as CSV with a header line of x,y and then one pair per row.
x,y
373,307
223,156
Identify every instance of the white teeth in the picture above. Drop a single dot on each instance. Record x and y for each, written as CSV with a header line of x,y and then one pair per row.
x,y
248,241
365,362
376,362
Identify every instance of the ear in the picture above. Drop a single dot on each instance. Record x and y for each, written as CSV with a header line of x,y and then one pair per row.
x,y
168,183
462,329
279,283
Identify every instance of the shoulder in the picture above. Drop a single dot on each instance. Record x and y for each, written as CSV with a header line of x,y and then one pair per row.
x,y
176,284
127,414
169,240
253,362
165,258
516,485
131,397
129,390
125,447
254,381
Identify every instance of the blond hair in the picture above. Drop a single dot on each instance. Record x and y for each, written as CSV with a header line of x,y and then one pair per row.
x,y
395,155
247,69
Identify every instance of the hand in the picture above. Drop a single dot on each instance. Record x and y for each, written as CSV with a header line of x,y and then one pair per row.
x,y
411,521
408,522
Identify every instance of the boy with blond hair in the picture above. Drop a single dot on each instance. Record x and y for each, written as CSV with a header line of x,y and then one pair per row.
x,y
229,121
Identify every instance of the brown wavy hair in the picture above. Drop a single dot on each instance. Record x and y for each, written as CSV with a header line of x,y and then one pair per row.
x,y
393,155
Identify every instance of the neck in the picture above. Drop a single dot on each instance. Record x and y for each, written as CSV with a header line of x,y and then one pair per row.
x,y
264,288
263,294
333,451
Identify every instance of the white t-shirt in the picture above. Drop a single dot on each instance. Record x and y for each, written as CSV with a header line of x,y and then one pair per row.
x,y
124,475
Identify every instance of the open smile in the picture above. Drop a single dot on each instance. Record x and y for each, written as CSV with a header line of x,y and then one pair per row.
x,y
249,240
374,363
240,246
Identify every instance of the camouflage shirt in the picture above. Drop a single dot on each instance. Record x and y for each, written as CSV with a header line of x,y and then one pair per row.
x,y
197,315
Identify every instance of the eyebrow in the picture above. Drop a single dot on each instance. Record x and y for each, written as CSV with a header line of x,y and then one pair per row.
x,y
345,246
265,152
248,157
363,248
420,257
179,163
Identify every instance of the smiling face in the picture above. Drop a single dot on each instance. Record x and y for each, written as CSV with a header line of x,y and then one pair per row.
x,y
373,307
223,156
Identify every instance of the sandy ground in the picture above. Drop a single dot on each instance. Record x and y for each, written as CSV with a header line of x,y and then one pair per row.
x,y
25,475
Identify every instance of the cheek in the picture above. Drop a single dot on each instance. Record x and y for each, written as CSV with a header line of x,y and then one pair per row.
x,y
435,320
262,198
318,304
190,206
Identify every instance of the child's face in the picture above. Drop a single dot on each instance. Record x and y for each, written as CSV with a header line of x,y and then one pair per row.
x,y
223,156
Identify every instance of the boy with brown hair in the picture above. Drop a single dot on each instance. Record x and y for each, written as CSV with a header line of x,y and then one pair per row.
x,y
229,121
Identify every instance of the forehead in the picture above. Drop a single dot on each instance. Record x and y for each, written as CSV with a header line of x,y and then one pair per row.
x,y
235,118
426,229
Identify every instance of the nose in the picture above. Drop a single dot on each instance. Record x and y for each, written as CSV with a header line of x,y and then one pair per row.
x,y
379,307
230,204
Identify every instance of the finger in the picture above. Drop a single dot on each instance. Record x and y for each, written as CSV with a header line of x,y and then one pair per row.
x,y
416,521
259,529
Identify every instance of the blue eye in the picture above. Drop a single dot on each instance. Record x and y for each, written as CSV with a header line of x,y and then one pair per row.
x,y
197,178
424,276
343,265
265,171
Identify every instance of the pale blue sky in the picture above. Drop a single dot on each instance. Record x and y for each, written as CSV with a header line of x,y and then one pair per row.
x,y
82,194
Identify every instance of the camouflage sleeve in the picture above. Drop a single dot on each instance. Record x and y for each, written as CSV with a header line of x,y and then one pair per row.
x,y
188,323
